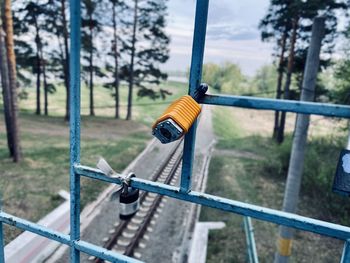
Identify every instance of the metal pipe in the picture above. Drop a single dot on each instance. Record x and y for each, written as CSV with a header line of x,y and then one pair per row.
x,y
2,246
348,142
250,239
254,211
345,258
35,228
325,109
64,239
75,37
103,253
200,28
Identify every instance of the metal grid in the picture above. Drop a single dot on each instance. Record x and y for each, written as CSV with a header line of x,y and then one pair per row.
x,y
184,191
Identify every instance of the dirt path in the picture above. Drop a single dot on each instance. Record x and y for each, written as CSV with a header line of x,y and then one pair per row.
x,y
237,154
94,128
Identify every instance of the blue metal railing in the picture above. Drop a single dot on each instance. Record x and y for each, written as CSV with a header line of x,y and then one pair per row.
x,y
250,240
183,192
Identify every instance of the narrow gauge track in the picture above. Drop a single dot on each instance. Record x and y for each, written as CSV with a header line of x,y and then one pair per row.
x,y
126,235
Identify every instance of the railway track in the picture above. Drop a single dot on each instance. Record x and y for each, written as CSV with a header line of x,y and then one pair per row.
x,y
126,237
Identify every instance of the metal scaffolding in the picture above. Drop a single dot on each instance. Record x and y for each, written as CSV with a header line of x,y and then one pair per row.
x,y
182,192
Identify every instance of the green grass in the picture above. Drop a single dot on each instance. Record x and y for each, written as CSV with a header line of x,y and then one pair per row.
x,y
145,109
253,169
30,188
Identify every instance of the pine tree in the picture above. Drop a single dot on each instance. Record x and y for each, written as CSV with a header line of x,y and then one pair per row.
x,y
65,55
6,92
118,9
276,25
91,26
29,21
143,71
341,74
296,17
11,60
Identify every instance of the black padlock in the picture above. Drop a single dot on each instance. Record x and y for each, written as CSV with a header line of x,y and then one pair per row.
x,y
129,203
341,183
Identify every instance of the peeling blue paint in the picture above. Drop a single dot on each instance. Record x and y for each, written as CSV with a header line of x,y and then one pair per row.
x,y
184,191
237,207
324,109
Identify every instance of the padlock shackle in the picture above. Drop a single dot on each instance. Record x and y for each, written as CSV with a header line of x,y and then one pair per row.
x,y
200,91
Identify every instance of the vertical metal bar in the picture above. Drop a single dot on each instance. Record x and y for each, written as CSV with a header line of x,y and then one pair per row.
x,y
75,15
2,247
348,142
345,258
250,239
198,45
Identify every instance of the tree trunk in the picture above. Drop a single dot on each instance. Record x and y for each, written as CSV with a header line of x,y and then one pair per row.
x,y
91,69
38,65
46,111
296,162
42,63
279,81
6,93
66,57
280,134
132,58
11,59
116,66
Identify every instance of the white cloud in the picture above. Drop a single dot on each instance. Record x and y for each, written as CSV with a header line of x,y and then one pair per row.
x,y
232,34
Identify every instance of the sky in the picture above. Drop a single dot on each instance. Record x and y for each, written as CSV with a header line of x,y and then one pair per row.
x,y
232,34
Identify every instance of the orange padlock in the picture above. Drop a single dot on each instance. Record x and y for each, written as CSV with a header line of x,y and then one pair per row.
x,y
178,118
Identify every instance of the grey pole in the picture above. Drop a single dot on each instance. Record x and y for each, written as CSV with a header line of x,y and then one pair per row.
x,y
296,161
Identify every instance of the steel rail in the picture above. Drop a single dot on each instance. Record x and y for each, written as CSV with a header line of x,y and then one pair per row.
x,y
123,224
142,229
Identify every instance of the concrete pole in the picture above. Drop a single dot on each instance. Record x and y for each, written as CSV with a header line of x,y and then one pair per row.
x,y
296,162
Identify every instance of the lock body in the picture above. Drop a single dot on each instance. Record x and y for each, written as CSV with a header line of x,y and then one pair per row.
x,y
129,203
176,120
341,184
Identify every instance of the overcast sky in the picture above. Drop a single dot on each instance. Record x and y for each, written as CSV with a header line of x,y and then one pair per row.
x,y
232,34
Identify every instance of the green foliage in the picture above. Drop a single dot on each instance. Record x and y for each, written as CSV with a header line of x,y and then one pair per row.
x,y
277,163
265,81
228,78
278,22
321,158
154,50
342,75
225,78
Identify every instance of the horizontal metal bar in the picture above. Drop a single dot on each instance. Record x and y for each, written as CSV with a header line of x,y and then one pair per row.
x,y
65,239
35,228
258,212
324,109
103,253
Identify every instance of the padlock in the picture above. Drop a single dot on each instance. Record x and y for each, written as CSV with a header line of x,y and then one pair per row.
x,y
179,117
341,183
129,202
